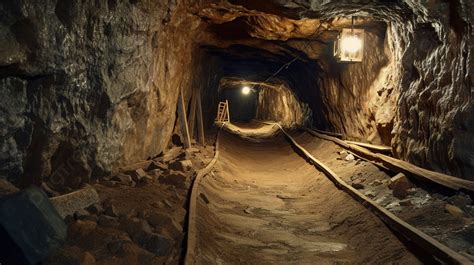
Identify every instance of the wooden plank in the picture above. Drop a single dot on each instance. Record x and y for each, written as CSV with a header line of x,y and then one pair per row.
x,y
192,114
183,121
227,108
421,239
373,147
192,211
397,165
338,135
200,121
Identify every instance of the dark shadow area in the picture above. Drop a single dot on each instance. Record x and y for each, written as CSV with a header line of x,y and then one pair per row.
x,y
242,107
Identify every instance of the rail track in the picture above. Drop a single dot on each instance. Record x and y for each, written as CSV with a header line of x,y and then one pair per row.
x,y
242,213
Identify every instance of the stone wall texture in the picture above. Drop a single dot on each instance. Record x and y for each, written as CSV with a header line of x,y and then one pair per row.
x,y
279,103
88,86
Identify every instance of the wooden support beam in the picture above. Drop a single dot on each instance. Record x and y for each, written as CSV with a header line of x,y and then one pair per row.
x,y
397,165
200,121
183,121
192,113
227,109
373,147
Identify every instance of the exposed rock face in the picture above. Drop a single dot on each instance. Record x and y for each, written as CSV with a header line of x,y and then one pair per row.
x,y
360,97
92,85
87,86
430,78
278,103
435,117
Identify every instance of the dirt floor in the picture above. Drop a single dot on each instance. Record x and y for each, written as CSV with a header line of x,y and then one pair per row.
x,y
261,204
446,216
141,216
264,204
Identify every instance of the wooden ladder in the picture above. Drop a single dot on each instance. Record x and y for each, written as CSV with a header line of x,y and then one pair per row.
x,y
223,112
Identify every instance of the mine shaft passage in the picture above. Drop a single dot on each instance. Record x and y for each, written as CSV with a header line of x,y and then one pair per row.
x,y
265,203
236,131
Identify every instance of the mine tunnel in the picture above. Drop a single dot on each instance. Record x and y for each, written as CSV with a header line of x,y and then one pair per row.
x,y
236,132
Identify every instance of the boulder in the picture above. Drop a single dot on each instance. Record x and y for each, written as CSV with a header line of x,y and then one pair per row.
x,y
400,184
172,153
137,229
165,222
138,174
186,164
349,157
108,221
111,211
175,178
30,227
453,210
357,184
157,165
70,203
176,166
146,180
123,178
460,200
157,244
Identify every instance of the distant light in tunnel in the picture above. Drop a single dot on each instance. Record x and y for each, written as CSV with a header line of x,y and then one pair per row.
x,y
351,44
245,90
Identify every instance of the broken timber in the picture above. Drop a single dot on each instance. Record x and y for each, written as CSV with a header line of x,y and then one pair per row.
x,y
192,215
183,121
400,165
200,121
192,113
373,147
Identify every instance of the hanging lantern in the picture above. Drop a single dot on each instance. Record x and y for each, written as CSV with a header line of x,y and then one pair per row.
x,y
349,46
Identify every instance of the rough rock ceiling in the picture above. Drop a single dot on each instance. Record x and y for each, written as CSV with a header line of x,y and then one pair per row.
x,y
282,28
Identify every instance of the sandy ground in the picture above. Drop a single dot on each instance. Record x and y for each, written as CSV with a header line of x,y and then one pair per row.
x,y
253,131
263,204
424,207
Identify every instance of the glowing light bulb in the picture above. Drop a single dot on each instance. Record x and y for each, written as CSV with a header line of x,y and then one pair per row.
x,y
351,44
245,90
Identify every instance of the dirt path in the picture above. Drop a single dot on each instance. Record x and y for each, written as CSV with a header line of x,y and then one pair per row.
x,y
265,205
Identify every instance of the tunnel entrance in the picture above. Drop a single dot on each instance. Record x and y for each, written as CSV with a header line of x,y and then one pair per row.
x,y
242,103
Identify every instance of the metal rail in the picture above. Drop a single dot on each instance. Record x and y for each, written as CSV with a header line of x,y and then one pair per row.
x,y
191,226
430,245
398,165
439,251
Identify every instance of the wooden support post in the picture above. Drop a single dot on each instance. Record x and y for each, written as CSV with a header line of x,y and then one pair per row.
x,y
192,113
183,121
227,109
200,124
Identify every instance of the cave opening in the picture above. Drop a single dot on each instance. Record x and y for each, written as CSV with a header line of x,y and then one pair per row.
x,y
110,123
242,105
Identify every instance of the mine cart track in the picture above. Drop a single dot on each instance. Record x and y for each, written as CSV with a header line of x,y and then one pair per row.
x,y
419,240
396,165
422,240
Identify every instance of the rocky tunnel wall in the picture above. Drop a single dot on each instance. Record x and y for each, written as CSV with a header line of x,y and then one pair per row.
x,y
360,98
88,86
278,103
414,88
